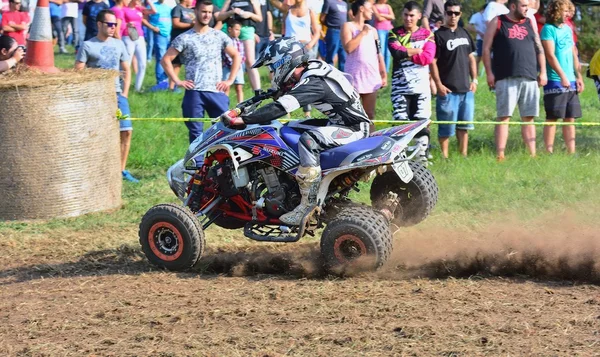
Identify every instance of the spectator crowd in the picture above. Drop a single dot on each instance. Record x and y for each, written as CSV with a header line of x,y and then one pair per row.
x,y
429,50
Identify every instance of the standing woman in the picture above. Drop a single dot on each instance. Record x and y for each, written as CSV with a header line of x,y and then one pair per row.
x,y
130,16
247,12
384,14
301,22
361,43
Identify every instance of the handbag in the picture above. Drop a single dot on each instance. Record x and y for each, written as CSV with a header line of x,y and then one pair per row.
x,y
132,32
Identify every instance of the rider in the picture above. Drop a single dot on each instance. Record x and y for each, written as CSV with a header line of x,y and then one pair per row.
x,y
301,81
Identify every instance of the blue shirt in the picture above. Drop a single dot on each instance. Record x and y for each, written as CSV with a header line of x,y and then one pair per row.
x,y
162,19
563,50
91,10
54,10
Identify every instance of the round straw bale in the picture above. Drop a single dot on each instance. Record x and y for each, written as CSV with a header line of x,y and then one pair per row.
x,y
59,144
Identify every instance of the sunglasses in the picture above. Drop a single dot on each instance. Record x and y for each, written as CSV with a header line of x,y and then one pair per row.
x,y
455,13
110,24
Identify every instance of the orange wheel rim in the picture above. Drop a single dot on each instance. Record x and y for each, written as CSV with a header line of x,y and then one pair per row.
x,y
165,241
349,247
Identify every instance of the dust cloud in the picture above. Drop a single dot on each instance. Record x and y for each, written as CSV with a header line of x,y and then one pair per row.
x,y
551,248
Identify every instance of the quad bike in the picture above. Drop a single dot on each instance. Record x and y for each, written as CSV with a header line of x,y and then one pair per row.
x,y
244,179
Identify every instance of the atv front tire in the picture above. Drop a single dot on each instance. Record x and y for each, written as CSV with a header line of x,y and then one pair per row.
x,y
356,232
417,198
171,237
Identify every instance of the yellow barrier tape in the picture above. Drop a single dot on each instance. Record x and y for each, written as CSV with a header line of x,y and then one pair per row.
x,y
397,122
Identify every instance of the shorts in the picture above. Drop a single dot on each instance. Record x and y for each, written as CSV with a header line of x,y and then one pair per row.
x,y
520,91
239,78
247,33
479,48
455,107
562,105
123,105
177,61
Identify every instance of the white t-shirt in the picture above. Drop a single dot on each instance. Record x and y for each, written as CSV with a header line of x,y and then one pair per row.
x,y
69,9
492,10
477,21
315,6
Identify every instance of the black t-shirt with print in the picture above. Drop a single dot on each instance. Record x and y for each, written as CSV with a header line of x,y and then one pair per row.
x,y
262,28
452,53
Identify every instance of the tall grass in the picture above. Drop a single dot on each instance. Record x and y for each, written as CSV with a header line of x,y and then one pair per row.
x,y
473,190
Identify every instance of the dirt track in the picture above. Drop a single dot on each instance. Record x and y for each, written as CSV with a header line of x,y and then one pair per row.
x,y
510,292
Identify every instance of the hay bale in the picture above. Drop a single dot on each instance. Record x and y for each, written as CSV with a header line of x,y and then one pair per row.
x,y
59,144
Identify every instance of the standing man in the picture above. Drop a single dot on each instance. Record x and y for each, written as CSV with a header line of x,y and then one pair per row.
x,y
200,51
91,9
477,25
412,49
161,25
561,99
57,32
433,11
333,16
106,52
183,17
517,54
454,71
264,30
15,22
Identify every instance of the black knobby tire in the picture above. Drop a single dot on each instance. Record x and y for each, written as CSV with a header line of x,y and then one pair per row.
x,y
417,197
171,237
356,232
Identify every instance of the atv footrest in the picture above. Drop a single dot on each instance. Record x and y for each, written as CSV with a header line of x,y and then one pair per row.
x,y
270,233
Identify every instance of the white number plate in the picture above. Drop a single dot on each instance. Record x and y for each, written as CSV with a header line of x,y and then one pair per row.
x,y
403,171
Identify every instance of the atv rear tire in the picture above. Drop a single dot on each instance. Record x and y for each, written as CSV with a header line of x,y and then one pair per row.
x,y
356,232
171,237
417,197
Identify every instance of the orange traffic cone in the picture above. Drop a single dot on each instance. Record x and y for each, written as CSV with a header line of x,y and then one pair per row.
x,y
40,51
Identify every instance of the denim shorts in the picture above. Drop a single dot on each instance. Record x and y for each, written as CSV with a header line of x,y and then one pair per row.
x,y
123,105
239,78
455,107
479,48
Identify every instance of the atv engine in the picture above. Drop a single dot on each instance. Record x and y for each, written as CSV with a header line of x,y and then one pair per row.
x,y
282,195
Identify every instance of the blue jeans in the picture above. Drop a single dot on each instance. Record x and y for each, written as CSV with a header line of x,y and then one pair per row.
x,y
196,102
161,44
455,107
333,41
149,35
385,51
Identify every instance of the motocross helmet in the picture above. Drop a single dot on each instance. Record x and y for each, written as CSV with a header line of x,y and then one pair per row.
x,y
282,56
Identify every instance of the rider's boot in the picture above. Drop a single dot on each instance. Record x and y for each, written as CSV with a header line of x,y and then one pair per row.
x,y
423,149
308,179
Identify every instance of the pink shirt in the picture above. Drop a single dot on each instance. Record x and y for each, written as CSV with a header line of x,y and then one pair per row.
x,y
385,25
129,15
18,18
134,16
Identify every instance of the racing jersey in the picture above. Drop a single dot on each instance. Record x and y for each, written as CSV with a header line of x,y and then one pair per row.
x,y
410,75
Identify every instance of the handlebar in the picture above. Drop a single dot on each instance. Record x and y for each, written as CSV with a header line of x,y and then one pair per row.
x,y
257,99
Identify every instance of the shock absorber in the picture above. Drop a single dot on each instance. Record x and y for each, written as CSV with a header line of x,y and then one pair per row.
x,y
195,195
349,179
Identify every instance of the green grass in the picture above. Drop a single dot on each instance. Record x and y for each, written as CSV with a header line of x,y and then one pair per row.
x,y
473,191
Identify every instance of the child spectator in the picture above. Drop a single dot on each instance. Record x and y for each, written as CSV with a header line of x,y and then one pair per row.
x,y
234,28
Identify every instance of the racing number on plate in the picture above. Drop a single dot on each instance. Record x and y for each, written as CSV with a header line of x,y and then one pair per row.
x,y
403,171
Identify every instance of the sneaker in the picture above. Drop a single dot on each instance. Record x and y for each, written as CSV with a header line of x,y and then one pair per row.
x,y
63,51
162,86
127,176
177,90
